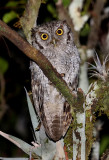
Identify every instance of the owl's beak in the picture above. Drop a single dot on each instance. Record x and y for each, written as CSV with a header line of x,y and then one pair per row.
x,y
54,42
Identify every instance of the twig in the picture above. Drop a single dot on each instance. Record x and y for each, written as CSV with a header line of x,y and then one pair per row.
x,y
93,36
63,15
29,18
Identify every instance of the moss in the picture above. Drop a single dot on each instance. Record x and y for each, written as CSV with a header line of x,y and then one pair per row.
x,y
102,98
89,135
90,119
2,29
76,107
89,127
68,141
100,104
79,102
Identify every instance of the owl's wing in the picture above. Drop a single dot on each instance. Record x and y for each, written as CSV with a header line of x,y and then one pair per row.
x,y
55,116
67,118
37,88
56,125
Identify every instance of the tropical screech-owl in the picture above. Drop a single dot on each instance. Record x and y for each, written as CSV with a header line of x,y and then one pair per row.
x,y
55,41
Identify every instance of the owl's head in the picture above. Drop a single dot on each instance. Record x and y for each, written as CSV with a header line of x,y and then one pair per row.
x,y
51,35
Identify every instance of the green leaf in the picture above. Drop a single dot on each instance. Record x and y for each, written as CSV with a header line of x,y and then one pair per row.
x,y
52,10
85,31
15,3
3,65
66,2
9,16
104,144
86,7
27,148
12,4
34,118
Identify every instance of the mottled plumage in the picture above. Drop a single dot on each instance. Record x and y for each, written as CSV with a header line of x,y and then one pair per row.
x,y
55,41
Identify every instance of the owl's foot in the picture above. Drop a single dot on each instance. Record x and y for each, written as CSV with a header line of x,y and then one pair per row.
x,y
38,127
60,151
35,145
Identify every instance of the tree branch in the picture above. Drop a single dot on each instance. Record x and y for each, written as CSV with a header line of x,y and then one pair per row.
x,y
93,36
28,20
64,15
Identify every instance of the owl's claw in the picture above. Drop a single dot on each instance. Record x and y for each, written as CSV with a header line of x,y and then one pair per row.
x,y
38,127
35,145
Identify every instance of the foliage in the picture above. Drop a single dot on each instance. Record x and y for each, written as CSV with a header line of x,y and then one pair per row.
x,y
3,65
9,16
66,3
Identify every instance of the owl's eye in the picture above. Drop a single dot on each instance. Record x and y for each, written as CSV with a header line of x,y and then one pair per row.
x,y
44,36
59,31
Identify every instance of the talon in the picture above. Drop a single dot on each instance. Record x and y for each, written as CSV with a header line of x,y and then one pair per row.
x,y
38,127
35,144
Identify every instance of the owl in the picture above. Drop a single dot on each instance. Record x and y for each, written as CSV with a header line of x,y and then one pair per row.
x,y
55,41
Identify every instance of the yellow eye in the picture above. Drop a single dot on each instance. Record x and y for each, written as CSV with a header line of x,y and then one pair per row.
x,y
59,31
44,36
